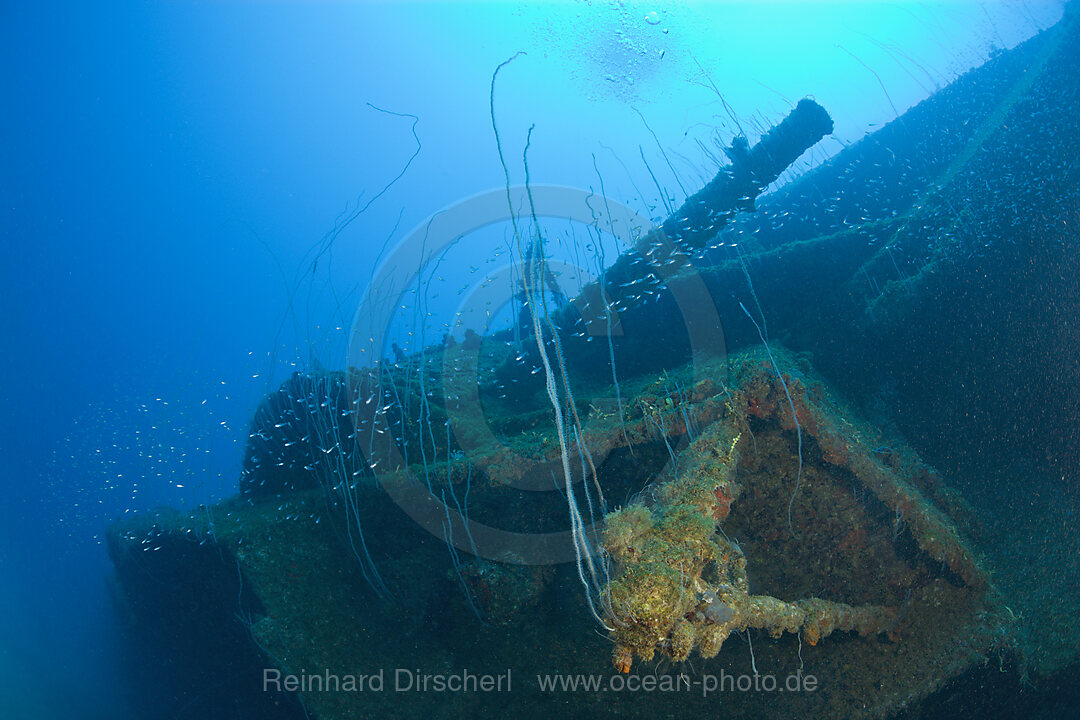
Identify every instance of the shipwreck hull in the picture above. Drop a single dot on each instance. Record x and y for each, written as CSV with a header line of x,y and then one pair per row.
x,y
871,524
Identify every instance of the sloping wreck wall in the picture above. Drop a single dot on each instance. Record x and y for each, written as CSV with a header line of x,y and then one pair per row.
x,y
932,268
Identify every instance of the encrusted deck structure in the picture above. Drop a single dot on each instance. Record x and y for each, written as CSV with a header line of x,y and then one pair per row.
x,y
861,564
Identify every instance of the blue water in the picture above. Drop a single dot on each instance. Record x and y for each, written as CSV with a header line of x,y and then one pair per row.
x,y
169,172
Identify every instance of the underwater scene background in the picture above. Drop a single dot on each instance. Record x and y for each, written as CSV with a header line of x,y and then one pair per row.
x,y
601,359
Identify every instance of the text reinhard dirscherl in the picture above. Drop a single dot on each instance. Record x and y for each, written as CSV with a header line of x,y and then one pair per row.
x,y
400,680
403,680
